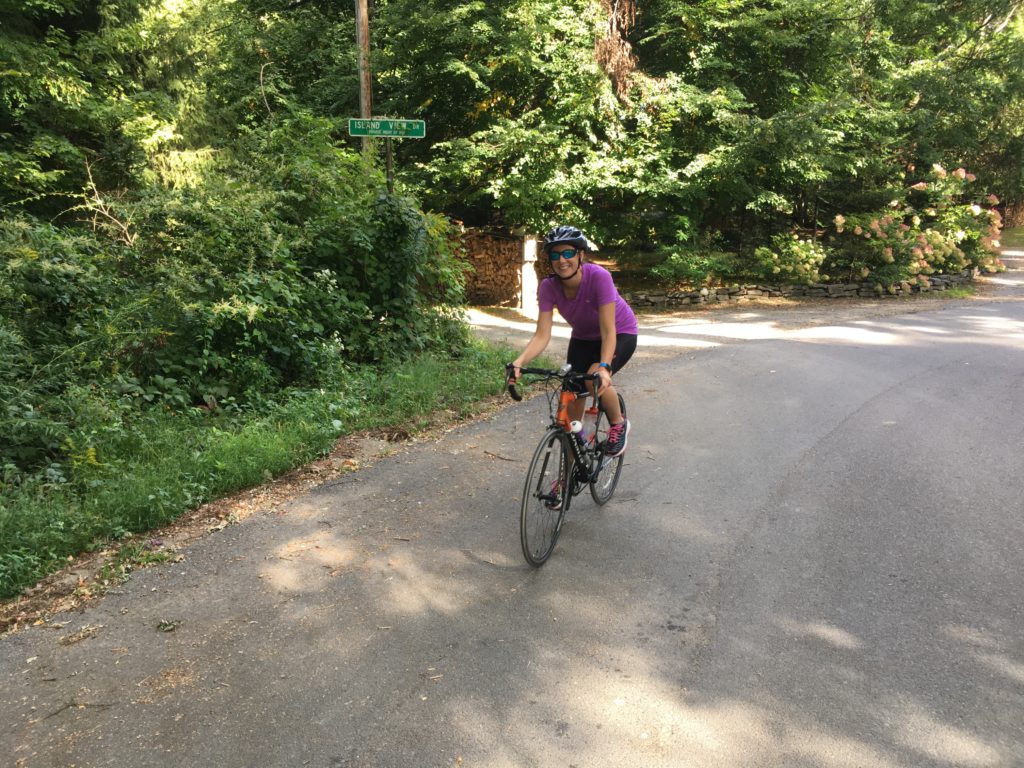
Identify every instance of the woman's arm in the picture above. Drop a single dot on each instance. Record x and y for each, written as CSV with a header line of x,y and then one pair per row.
x,y
539,342
606,317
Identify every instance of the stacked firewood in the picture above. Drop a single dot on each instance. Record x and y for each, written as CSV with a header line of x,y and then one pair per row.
x,y
496,261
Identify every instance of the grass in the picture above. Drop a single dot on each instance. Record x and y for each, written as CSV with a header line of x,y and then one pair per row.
x,y
959,292
1012,238
164,464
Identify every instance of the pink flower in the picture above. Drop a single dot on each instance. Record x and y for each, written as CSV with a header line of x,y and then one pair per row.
x,y
887,251
960,173
920,185
857,230
971,177
840,221
939,171
975,209
993,200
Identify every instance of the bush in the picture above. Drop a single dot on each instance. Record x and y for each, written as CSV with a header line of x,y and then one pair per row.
x,y
791,259
280,260
694,267
934,226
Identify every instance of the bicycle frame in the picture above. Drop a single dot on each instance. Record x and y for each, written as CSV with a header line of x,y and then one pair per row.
x,y
562,415
560,420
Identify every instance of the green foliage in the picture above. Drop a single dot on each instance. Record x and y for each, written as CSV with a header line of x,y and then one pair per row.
x,y
694,267
790,259
934,226
130,471
285,256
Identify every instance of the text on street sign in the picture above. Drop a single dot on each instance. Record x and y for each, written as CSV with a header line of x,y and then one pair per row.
x,y
406,129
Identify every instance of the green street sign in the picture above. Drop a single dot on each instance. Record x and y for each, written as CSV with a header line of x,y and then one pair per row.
x,y
403,129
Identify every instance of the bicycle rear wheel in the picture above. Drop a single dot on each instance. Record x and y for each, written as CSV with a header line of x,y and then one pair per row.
x,y
546,498
607,477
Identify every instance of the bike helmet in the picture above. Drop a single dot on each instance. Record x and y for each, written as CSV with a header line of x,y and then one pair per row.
x,y
567,235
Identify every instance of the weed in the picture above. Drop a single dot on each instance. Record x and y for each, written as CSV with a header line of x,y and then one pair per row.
x,y
131,556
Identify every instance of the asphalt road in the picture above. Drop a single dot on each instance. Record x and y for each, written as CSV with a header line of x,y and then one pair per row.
x,y
813,560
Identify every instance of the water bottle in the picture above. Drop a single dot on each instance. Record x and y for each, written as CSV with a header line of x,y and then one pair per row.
x,y
576,427
590,424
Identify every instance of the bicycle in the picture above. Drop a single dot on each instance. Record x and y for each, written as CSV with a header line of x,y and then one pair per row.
x,y
549,489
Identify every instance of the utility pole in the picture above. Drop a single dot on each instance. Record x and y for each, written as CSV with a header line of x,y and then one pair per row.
x,y
365,81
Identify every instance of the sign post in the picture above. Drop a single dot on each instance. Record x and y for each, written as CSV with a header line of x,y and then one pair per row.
x,y
365,76
388,128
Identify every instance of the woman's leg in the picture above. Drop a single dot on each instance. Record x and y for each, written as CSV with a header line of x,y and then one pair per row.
x,y
582,354
625,346
610,401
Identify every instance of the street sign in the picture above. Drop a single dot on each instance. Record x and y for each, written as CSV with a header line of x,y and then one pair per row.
x,y
401,129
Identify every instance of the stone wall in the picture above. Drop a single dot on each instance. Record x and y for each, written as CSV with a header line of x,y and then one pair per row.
x,y
736,293
496,277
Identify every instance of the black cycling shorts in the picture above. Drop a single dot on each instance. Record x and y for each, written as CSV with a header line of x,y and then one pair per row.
x,y
583,353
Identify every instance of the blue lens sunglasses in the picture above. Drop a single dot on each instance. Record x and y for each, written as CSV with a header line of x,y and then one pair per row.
x,y
567,254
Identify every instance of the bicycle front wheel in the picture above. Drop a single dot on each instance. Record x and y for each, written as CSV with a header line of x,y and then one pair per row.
x,y
546,497
602,486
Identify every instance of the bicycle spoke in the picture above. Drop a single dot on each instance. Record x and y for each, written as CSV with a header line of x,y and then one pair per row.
x,y
545,499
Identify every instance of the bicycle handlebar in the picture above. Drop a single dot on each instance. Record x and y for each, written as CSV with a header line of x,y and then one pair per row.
x,y
565,374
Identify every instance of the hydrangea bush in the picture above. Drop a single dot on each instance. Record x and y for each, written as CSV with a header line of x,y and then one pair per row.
x,y
791,259
935,226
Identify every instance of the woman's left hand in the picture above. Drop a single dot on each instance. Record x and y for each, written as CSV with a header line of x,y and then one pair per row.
x,y
604,377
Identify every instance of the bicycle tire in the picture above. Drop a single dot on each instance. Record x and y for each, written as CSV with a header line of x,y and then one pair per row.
x,y
602,487
539,522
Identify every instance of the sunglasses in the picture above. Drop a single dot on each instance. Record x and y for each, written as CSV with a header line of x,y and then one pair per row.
x,y
567,254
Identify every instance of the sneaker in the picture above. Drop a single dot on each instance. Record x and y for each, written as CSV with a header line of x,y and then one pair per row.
x,y
615,445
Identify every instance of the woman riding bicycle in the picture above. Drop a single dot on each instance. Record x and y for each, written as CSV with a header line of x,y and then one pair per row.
x,y
604,328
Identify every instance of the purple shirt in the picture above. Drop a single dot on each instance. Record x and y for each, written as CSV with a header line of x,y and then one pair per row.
x,y
596,289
